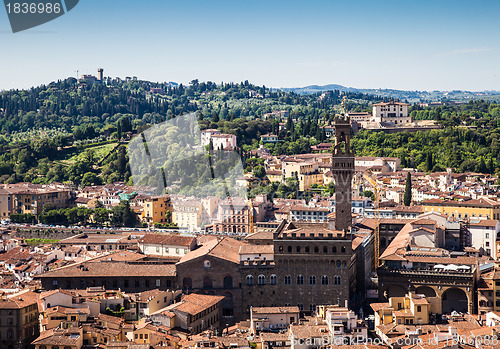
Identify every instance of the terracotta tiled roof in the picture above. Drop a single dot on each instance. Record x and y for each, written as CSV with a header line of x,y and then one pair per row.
x,y
309,331
483,222
275,310
261,235
195,303
19,300
223,248
70,337
168,239
486,203
110,269
111,319
378,306
254,249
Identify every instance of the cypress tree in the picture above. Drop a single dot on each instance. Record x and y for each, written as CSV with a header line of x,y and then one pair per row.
x,y
429,162
407,196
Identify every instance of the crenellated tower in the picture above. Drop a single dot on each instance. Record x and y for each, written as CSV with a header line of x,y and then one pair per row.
x,y
343,170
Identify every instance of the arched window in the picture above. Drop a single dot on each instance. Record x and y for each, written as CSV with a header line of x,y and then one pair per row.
x,y
325,249
288,280
227,305
273,279
300,280
316,249
289,249
207,282
324,280
342,250
339,264
334,249
281,249
249,280
312,280
344,264
307,249
262,279
228,282
298,249
337,280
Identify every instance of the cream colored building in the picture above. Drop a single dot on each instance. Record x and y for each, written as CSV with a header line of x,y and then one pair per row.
x,y
359,117
273,318
226,141
307,173
166,245
188,214
393,112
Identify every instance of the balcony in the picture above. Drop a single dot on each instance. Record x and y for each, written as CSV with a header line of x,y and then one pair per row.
x,y
425,272
257,262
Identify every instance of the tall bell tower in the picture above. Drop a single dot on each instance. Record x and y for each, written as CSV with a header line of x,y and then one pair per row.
x,y
343,170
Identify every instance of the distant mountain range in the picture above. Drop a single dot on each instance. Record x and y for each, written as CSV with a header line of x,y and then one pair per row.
x,y
410,96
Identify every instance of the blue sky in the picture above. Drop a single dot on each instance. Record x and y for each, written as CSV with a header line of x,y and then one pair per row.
x,y
414,45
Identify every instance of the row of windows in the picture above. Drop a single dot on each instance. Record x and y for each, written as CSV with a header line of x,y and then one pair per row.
x,y
167,250
273,280
303,235
331,263
307,249
343,164
312,307
314,213
234,220
112,284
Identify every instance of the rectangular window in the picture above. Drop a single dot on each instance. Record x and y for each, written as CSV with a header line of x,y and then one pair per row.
x,y
158,282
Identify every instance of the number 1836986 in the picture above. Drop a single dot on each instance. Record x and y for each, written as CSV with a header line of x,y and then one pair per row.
x,y
33,7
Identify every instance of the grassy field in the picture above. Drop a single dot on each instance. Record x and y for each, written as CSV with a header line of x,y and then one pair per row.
x,y
100,152
34,242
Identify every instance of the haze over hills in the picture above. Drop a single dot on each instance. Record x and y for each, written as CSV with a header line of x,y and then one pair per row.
x,y
411,96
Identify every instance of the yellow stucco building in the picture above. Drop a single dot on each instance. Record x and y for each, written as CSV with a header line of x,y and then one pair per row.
x,y
155,209
464,209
